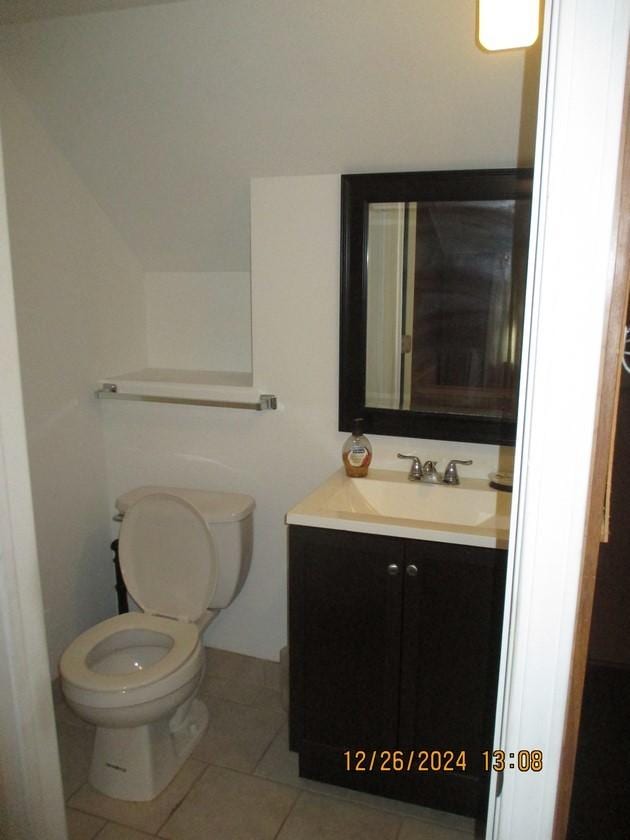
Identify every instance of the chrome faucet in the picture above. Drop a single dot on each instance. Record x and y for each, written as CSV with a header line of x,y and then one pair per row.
x,y
415,470
422,472
428,471
450,473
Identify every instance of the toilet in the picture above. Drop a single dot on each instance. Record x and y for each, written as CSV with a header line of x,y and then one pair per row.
x,y
184,555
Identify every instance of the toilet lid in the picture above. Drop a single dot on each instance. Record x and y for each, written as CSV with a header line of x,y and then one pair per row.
x,y
167,557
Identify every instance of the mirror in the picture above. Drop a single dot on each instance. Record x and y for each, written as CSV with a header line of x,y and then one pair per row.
x,y
432,299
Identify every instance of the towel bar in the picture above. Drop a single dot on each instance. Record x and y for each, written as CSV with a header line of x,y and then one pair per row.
x,y
109,391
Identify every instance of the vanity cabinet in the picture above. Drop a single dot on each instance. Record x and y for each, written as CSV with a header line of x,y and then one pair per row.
x,y
394,645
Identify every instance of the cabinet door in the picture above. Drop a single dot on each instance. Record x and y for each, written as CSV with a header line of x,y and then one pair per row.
x,y
345,608
452,613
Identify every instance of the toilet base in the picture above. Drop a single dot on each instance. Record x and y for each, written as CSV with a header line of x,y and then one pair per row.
x,y
136,764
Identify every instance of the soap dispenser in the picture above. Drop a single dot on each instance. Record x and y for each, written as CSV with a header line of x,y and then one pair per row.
x,y
357,451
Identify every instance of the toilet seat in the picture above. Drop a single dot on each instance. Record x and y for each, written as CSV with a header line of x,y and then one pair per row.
x,y
167,557
183,638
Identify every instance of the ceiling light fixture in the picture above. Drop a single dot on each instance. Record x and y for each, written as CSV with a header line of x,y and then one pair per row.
x,y
507,24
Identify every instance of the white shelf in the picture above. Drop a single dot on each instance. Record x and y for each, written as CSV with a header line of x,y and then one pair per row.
x,y
225,389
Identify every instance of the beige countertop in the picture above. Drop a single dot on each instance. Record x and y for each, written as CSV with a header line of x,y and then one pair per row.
x,y
387,503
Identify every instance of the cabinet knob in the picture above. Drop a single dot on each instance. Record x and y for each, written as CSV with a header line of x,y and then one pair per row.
x,y
412,570
393,569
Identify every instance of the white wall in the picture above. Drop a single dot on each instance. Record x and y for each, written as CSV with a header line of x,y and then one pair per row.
x,y
146,127
278,456
199,320
80,315
166,111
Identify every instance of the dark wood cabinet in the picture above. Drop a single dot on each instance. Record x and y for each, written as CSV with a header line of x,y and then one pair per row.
x,y
394,645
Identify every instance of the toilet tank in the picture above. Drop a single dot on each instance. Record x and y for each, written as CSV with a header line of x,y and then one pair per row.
x,y
230,520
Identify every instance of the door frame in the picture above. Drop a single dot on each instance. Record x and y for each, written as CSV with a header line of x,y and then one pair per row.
x,y
601,478
31,797
571,271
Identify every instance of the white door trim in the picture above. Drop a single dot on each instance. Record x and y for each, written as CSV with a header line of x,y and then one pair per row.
x,y
31,798
570,276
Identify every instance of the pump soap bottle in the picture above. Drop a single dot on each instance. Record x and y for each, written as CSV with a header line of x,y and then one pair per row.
x,y
357,451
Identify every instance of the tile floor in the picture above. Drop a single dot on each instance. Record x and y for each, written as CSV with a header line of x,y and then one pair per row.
x,y
242,782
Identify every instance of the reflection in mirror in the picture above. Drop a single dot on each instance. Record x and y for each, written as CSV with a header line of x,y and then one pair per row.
x,y
433,273
445,298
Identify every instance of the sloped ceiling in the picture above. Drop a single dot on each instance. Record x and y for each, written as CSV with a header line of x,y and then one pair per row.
x,y
166,111
20,11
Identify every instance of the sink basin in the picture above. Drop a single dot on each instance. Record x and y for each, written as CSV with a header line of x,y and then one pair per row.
x,y
386,502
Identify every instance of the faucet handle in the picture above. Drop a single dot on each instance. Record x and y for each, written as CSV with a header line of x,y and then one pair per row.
x,y
450,473
415,471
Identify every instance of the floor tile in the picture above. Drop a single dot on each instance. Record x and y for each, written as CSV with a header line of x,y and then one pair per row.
x,y
227,665
82,826
324,818
211,797
144,816
443,819
241,691
112,831
252,670
227,804
235,689
281,765
241,679
269,698
237,736
420,830
272,675
222,663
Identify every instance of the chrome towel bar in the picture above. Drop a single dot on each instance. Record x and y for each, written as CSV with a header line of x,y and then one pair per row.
x,y
109,391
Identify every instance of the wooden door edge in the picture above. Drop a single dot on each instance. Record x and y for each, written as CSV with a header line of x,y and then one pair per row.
x,y
601,472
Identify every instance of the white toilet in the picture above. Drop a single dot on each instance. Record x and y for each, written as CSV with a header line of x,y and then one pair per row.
x,y
184,554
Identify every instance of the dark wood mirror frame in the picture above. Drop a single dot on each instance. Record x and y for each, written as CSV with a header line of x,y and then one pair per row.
x,y
357,192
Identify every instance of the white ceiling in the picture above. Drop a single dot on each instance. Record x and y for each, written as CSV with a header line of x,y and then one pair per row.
x,y
20,11
167,111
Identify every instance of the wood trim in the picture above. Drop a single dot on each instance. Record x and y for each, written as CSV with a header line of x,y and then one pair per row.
x,y
605,523
601,472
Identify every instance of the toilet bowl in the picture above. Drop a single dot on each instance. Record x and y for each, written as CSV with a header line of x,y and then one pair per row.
x,y
184,554
131,668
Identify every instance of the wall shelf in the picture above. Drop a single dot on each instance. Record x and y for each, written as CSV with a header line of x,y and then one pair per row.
x,y
219,389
